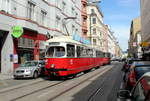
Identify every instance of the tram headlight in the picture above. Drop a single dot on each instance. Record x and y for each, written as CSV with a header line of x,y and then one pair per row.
x,y
52,65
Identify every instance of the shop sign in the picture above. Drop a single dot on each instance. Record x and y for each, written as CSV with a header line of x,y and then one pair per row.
x,y
80,39
15,59
134,44
144,44
17,31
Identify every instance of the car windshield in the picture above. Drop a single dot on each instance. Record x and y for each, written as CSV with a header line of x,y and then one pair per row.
x,y
29,64
55,51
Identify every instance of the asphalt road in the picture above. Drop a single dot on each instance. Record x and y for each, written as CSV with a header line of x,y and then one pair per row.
x,y
98,85
102,88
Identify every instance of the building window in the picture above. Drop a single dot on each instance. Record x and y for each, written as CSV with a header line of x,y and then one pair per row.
x,y
73,11
5,5
94,31
43,17
94,41
31,10
94,20
57,22
63,6
76,15
73,29
76,31
92,11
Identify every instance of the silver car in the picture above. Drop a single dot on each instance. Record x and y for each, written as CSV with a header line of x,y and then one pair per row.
x,y
30,69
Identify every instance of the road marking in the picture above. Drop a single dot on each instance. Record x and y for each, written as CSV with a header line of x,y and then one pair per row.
x,y
45,94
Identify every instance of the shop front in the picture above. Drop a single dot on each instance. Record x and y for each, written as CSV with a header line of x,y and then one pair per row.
x,y
27,47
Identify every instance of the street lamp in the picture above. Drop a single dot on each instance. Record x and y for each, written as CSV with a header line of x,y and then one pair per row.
x,y
67,18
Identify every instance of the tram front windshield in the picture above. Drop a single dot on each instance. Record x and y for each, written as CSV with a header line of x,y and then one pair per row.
x,y
55,51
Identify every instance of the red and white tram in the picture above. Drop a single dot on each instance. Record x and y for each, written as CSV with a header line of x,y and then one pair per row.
x,y
65,57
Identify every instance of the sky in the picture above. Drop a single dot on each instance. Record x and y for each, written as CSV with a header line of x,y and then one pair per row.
x,y
118,14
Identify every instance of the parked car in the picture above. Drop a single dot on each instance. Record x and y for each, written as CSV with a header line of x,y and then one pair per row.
x,y
128,63
140,92
30,69
126,66
137,69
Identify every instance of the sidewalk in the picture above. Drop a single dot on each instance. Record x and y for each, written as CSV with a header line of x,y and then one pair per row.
x,y
5,76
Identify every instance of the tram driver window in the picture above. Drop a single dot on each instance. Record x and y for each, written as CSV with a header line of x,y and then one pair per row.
x,y
59,51
50,52
70,50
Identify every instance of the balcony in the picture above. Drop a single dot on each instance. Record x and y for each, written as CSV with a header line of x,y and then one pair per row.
x,y
84,28
84,2
84,14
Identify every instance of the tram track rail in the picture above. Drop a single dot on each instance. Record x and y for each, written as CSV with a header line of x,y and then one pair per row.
x,y
38,90
53,85
69,89
20,86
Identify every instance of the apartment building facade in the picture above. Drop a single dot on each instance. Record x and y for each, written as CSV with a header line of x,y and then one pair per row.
x,y
135,38
39,19
96,28
113,46
145,30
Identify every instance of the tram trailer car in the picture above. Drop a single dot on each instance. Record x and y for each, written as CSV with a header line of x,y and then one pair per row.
x,y
66,57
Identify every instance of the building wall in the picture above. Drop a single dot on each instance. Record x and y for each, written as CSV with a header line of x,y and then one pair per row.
x,y
99,27
7,50
113,46
15,12
135,38
145,20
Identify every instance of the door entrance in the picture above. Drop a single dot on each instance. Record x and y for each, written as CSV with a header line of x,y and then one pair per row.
x,y
3,35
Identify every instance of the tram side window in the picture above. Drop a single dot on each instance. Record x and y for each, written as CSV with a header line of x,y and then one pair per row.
x,y
78,51
102,54
89,52
98,54
83,52
70,50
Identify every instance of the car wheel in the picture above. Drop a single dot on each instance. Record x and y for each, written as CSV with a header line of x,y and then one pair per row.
x,y
35,75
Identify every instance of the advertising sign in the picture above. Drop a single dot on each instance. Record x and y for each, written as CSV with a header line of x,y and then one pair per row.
x,y
15,58
17,31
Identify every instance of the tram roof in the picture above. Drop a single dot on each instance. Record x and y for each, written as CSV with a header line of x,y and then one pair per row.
x,y
67,39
